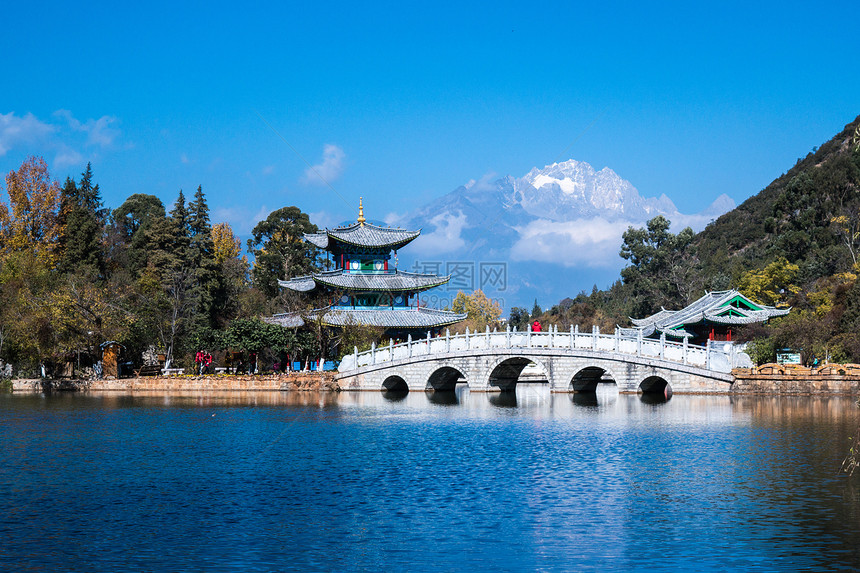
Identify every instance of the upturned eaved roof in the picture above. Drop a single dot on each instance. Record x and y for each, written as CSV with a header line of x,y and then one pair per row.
x,y
412,317
397,281
363,235
720,307
300,284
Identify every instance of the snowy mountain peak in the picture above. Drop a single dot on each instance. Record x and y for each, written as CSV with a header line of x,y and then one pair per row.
x,y
573,188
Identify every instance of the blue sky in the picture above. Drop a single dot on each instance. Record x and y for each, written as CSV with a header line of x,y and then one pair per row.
x,y
402,102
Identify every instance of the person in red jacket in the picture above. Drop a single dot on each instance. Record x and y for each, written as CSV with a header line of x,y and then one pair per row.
x,y
536,326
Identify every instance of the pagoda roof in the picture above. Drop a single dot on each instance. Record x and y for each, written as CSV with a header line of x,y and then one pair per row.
x,y
363,235
728,307
300,284
412,317
398,281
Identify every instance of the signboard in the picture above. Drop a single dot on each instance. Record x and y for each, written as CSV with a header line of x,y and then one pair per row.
x,y
787,357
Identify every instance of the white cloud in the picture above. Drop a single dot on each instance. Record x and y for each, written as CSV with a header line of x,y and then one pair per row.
x,y
66,157
446,235
486,183
590,242
16,130
184,158
241,219
329,169
268,169
322,219
394,219
65,136
99,131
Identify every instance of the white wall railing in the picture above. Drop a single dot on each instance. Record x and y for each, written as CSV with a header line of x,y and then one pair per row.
x,y
717,356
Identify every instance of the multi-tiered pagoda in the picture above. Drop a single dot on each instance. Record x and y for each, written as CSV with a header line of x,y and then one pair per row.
x,y
365,286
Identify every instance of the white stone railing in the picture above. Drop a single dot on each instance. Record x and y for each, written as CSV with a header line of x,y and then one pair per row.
x,y
717,356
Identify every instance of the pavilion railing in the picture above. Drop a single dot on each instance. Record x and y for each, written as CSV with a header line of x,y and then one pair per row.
x,y
715,356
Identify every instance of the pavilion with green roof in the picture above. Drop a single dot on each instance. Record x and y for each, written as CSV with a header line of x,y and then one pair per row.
x,y
712,317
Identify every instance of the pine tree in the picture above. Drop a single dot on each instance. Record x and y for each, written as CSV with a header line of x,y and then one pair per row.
x,y
82,214
201,261
180,230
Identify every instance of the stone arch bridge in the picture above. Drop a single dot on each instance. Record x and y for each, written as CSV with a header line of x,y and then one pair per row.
x,y
570,362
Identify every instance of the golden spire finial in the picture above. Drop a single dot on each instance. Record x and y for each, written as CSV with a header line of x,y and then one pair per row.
x,y
361,218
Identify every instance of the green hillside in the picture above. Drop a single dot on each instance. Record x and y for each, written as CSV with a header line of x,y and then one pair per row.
x,y
791,217
796,243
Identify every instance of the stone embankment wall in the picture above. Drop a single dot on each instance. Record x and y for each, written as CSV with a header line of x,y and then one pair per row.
x,y
309,381
798,380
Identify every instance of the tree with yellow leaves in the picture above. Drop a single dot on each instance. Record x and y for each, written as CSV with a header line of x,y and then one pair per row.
x,y
771,285
481,310
30,222
226,244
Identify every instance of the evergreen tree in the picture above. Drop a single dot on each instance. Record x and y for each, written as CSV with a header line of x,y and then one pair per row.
x,y
201,260
82,239
181,230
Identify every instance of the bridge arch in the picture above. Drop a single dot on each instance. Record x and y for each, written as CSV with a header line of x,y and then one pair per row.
x,y
505,373
587,379
655,385
444,378
395,383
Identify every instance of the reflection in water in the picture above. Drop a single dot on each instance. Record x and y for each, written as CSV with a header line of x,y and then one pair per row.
x,y
443,397
654,398
395,395
504,399
586,399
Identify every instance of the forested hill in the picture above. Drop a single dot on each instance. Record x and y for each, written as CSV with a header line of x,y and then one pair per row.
x,y
796,243
793,217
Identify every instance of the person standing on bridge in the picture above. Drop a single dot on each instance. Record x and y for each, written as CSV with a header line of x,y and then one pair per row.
x,y
536,326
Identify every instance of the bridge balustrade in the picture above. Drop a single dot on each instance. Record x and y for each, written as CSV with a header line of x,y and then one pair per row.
x,y
719,357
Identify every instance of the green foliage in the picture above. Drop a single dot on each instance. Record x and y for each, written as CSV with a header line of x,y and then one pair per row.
x,y
83,226
279,250
663,267
519,318
360,336
762,350
73,275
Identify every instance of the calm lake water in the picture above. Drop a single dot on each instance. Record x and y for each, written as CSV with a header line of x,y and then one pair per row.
x,y
361,481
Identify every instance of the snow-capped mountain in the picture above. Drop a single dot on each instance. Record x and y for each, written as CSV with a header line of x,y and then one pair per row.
x,y
566,217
